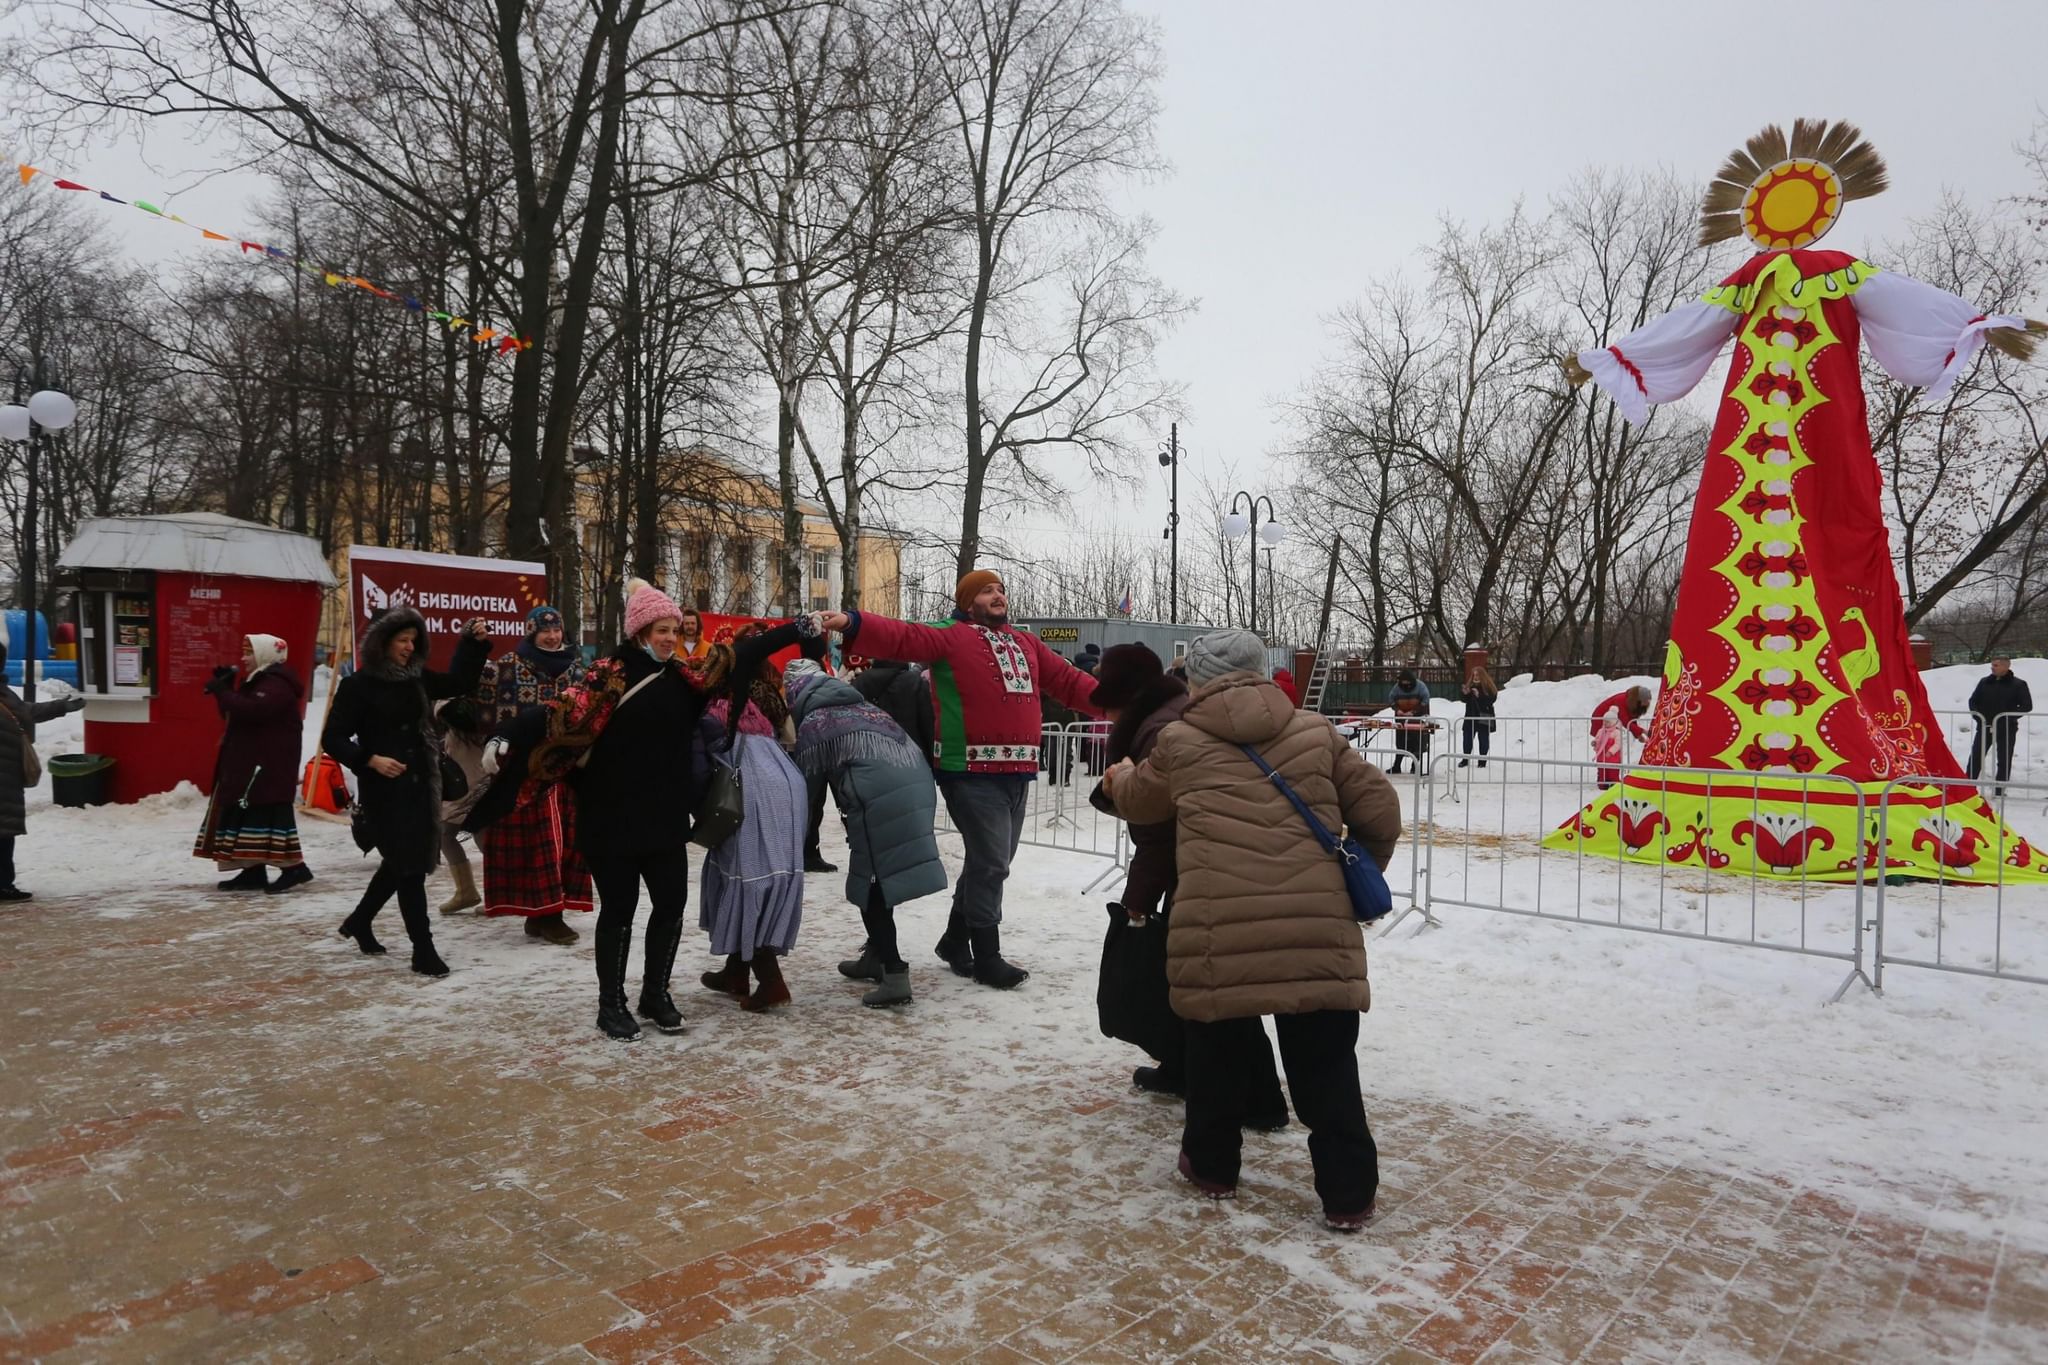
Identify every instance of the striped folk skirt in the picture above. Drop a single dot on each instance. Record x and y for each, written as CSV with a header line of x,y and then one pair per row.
x,y
256,835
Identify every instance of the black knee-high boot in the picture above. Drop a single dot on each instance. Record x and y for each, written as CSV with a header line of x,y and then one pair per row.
x,y
655,1004
614,942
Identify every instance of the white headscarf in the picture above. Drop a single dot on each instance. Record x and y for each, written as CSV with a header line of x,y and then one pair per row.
x,y
266,650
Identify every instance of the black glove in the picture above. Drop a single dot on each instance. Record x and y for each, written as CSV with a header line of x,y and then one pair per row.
x,y
223,678
76,703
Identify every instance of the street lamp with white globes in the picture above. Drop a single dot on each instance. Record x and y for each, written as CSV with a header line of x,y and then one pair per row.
x,y
45,410
1237,525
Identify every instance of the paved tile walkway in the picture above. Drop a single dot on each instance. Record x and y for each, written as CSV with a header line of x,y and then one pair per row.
x,y
224,1135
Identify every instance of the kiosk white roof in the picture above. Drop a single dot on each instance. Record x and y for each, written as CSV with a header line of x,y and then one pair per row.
x,y
197,543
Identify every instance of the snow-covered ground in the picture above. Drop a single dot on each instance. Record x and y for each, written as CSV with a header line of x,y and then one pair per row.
x,y
1707,1053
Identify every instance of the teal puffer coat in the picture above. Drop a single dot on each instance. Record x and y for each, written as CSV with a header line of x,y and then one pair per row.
x,y
883,785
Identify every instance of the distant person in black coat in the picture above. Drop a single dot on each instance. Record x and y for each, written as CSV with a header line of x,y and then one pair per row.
x,y
1479,695
17,733
1994,703
381,728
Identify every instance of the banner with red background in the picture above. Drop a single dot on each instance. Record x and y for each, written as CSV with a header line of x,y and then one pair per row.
x,y
720,629
447,590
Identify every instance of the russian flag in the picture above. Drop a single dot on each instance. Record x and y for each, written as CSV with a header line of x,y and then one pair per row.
x,y
1124,607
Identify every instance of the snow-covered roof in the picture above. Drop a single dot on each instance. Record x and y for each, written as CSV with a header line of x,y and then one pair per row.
x,y
197,542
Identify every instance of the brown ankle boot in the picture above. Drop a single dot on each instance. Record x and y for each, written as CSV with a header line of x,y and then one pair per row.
x,y
773,990
728,980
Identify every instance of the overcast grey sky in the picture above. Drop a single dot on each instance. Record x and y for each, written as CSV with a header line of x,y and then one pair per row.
x,y
1316,143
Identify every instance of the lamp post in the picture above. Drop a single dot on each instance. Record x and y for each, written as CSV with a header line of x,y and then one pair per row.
x,y
45,410
1170,458
1237,525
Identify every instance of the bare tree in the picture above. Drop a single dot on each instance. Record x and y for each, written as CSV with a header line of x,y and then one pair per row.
x,y
1050,100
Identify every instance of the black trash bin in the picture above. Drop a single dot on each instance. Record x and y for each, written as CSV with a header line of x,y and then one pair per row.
x,y
79,779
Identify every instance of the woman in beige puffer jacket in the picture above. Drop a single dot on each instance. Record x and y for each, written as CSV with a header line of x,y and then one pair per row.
x,y
1261,922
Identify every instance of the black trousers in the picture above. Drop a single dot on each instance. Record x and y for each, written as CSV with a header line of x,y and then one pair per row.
x,y
1483,732
878,917
1320,1053
411,890
6,860
617,878
811,853
2003,737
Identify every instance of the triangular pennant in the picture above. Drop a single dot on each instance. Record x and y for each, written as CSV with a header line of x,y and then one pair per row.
x,y
148,207
484,334
111,199
333,280
210,235
28,173
73,185
510,343
252,246
278,252
413,305
457,324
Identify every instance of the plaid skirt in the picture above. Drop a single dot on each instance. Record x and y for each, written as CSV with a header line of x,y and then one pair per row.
x,y
531,866
235,835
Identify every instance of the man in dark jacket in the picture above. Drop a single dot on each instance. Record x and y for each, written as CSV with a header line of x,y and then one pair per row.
x,y
1997,703
904,694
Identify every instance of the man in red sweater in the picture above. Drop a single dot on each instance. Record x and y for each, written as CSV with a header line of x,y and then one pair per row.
x,y
986,679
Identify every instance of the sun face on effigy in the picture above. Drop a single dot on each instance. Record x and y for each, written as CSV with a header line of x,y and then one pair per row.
x,y
1792,204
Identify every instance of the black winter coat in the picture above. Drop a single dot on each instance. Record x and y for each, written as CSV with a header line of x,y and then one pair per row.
x,y
637,793
905,694
13,798
374,715
259,753
1479,703
1154,871
1994,696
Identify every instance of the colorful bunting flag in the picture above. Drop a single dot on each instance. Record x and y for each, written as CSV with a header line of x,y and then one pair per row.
x,y
482,336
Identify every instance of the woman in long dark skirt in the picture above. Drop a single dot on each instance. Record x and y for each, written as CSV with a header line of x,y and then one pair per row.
x,y
250,826
381,729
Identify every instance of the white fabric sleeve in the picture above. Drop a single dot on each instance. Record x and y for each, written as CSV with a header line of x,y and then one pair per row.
x,y
1920,334
1663,359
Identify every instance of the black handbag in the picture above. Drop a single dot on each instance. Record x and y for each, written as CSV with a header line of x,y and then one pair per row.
x,y
1131,995
454,782
722,807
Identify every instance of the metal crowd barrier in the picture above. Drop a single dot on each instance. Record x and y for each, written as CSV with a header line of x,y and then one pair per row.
x,y
1489,855
1960,924
1476,842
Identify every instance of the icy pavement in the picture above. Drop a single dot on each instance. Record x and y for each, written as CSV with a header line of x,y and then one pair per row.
x,y
224,1134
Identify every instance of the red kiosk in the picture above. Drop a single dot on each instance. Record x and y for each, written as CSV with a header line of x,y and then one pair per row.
x,y
160,602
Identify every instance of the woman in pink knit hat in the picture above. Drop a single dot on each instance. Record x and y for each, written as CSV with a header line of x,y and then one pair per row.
x,y
624,739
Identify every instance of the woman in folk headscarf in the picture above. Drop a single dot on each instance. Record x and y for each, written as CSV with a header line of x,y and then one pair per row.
x,y
531,866
885,792
381,728
753,891
249,822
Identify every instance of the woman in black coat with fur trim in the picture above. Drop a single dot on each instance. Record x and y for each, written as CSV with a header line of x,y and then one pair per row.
x,y
380,728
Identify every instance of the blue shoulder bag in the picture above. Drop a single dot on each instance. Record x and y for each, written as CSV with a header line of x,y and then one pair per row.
x,y
1370,896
